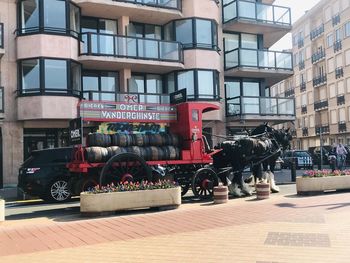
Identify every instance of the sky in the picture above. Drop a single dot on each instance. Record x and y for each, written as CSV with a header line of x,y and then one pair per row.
x,y
298,8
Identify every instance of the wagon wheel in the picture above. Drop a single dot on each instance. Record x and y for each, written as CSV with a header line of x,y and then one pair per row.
x,y
181,178
125,167
203,183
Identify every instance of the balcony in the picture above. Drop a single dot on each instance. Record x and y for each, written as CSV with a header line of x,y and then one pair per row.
x,y
127,97
302,86
303,109
339,72
321,105
293,132
318,56
261,108
336,20
158,12
257,18
301,65
305,131
324,129
337,46
340,100
319,81
289,92
342,127
2,51
272,65
317,32
117,52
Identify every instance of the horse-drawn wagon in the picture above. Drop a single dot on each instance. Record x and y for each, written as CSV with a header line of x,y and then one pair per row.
x,y
119,152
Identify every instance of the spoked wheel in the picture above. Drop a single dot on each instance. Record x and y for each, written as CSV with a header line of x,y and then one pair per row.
x,y
203,183
58,191
125,167
181,177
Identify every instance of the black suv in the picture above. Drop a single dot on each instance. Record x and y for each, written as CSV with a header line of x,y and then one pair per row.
x,y
45,174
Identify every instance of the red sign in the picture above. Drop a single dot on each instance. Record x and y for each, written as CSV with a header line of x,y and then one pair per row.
x,y
120,111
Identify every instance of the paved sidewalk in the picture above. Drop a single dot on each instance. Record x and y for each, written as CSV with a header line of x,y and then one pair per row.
x,y
284,228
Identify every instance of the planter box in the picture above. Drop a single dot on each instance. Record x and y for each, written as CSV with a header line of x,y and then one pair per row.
x,y
314,185
94,204
2,210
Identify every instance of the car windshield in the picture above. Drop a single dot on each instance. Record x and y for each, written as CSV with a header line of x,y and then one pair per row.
x,y
59,155
301,154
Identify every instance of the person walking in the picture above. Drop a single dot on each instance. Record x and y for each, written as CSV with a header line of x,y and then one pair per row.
x,y
332,157
341,156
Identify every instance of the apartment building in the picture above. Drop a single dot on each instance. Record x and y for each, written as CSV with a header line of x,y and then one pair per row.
x,y
321,81
53,53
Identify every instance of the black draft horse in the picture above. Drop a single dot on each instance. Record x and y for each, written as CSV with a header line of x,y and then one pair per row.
x,y
283,138
262,146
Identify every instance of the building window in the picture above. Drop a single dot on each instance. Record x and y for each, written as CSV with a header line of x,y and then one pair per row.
x,y
193,33
100,85
329,40
347,29
49,16
2,106
49,76
200,84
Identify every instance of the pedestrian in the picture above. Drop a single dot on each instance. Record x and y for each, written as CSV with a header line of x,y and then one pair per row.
x,y
341,156
332,157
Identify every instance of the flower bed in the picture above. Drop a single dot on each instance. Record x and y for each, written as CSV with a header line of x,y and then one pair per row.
x,y
125,196
319,181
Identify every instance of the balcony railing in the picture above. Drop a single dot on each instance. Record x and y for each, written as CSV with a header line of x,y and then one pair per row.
x,y
1,35
340,100
305,131
337,46
300,43
302,86
264,13
135,97
336,20
249,105
289,92
319,81
127,97
339,72
317,32
342,126
301,65
172,4
320,105
318,56
293,132
255,58
303,109
322,129
130,47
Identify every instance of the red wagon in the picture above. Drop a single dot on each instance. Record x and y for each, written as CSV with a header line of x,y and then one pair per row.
x,y
187,163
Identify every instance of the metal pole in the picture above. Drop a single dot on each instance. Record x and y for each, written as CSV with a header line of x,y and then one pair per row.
x,y
321,146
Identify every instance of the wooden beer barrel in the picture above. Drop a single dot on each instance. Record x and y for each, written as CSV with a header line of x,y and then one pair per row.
x,y
155,139
220,194
96,154
154,153
170,139
175,139
136,150
262,191
98,139
171,152
122,139
113,150
141,139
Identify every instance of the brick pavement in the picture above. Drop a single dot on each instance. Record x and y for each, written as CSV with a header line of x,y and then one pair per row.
x,y
283,229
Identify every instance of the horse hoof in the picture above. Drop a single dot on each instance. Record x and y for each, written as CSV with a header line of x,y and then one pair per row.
x,y
275,189
246,189
235,191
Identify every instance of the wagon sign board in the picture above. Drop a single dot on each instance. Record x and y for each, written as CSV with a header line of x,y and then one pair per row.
x,y
120,111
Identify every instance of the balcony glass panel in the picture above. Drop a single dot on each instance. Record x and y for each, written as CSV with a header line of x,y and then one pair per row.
x,y
250,105
120,46
286,106
266,59
248,58
246,9
231,59
268,106
173,4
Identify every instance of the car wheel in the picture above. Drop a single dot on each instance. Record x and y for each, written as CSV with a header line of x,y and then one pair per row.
x,y
58,191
